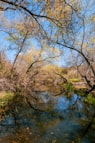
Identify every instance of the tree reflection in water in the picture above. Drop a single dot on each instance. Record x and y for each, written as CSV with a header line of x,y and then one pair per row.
x,y
68,120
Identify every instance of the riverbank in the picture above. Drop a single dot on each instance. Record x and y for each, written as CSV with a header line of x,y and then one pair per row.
x,y
80,85
5,97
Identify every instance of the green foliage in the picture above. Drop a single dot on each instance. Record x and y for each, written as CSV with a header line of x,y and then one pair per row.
x,y
5,97
90,99
68,88
80,92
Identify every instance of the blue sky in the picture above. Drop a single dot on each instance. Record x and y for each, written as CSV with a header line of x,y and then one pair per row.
x,y
13,16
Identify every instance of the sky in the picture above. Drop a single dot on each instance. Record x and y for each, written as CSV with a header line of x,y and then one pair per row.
x,y
5,44
13,16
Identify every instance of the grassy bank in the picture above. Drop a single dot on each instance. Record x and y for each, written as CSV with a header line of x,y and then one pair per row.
x,y
5,97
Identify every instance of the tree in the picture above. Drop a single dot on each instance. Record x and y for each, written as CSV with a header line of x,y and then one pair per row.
x,y
55,27
63,24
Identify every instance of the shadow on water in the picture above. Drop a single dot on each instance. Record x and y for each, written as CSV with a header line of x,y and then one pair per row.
x,y
64,122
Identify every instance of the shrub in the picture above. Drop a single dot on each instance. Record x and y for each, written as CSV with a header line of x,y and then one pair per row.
x,y
68,88
5,97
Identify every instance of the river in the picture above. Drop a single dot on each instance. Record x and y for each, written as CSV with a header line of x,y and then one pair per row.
x,y
64,120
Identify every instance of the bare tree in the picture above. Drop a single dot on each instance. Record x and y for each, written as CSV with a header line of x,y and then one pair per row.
x,y
62,24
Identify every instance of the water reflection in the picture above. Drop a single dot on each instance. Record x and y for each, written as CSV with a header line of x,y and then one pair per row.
x,y
63,123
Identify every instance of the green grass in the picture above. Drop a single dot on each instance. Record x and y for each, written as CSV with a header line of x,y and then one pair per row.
x,y
69,88
5,97
74,79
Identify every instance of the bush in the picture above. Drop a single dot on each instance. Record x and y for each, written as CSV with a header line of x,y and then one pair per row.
x,y
5,97
90,99
69,88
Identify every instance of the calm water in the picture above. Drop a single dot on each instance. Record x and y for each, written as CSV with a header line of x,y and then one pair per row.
x,y
64,121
